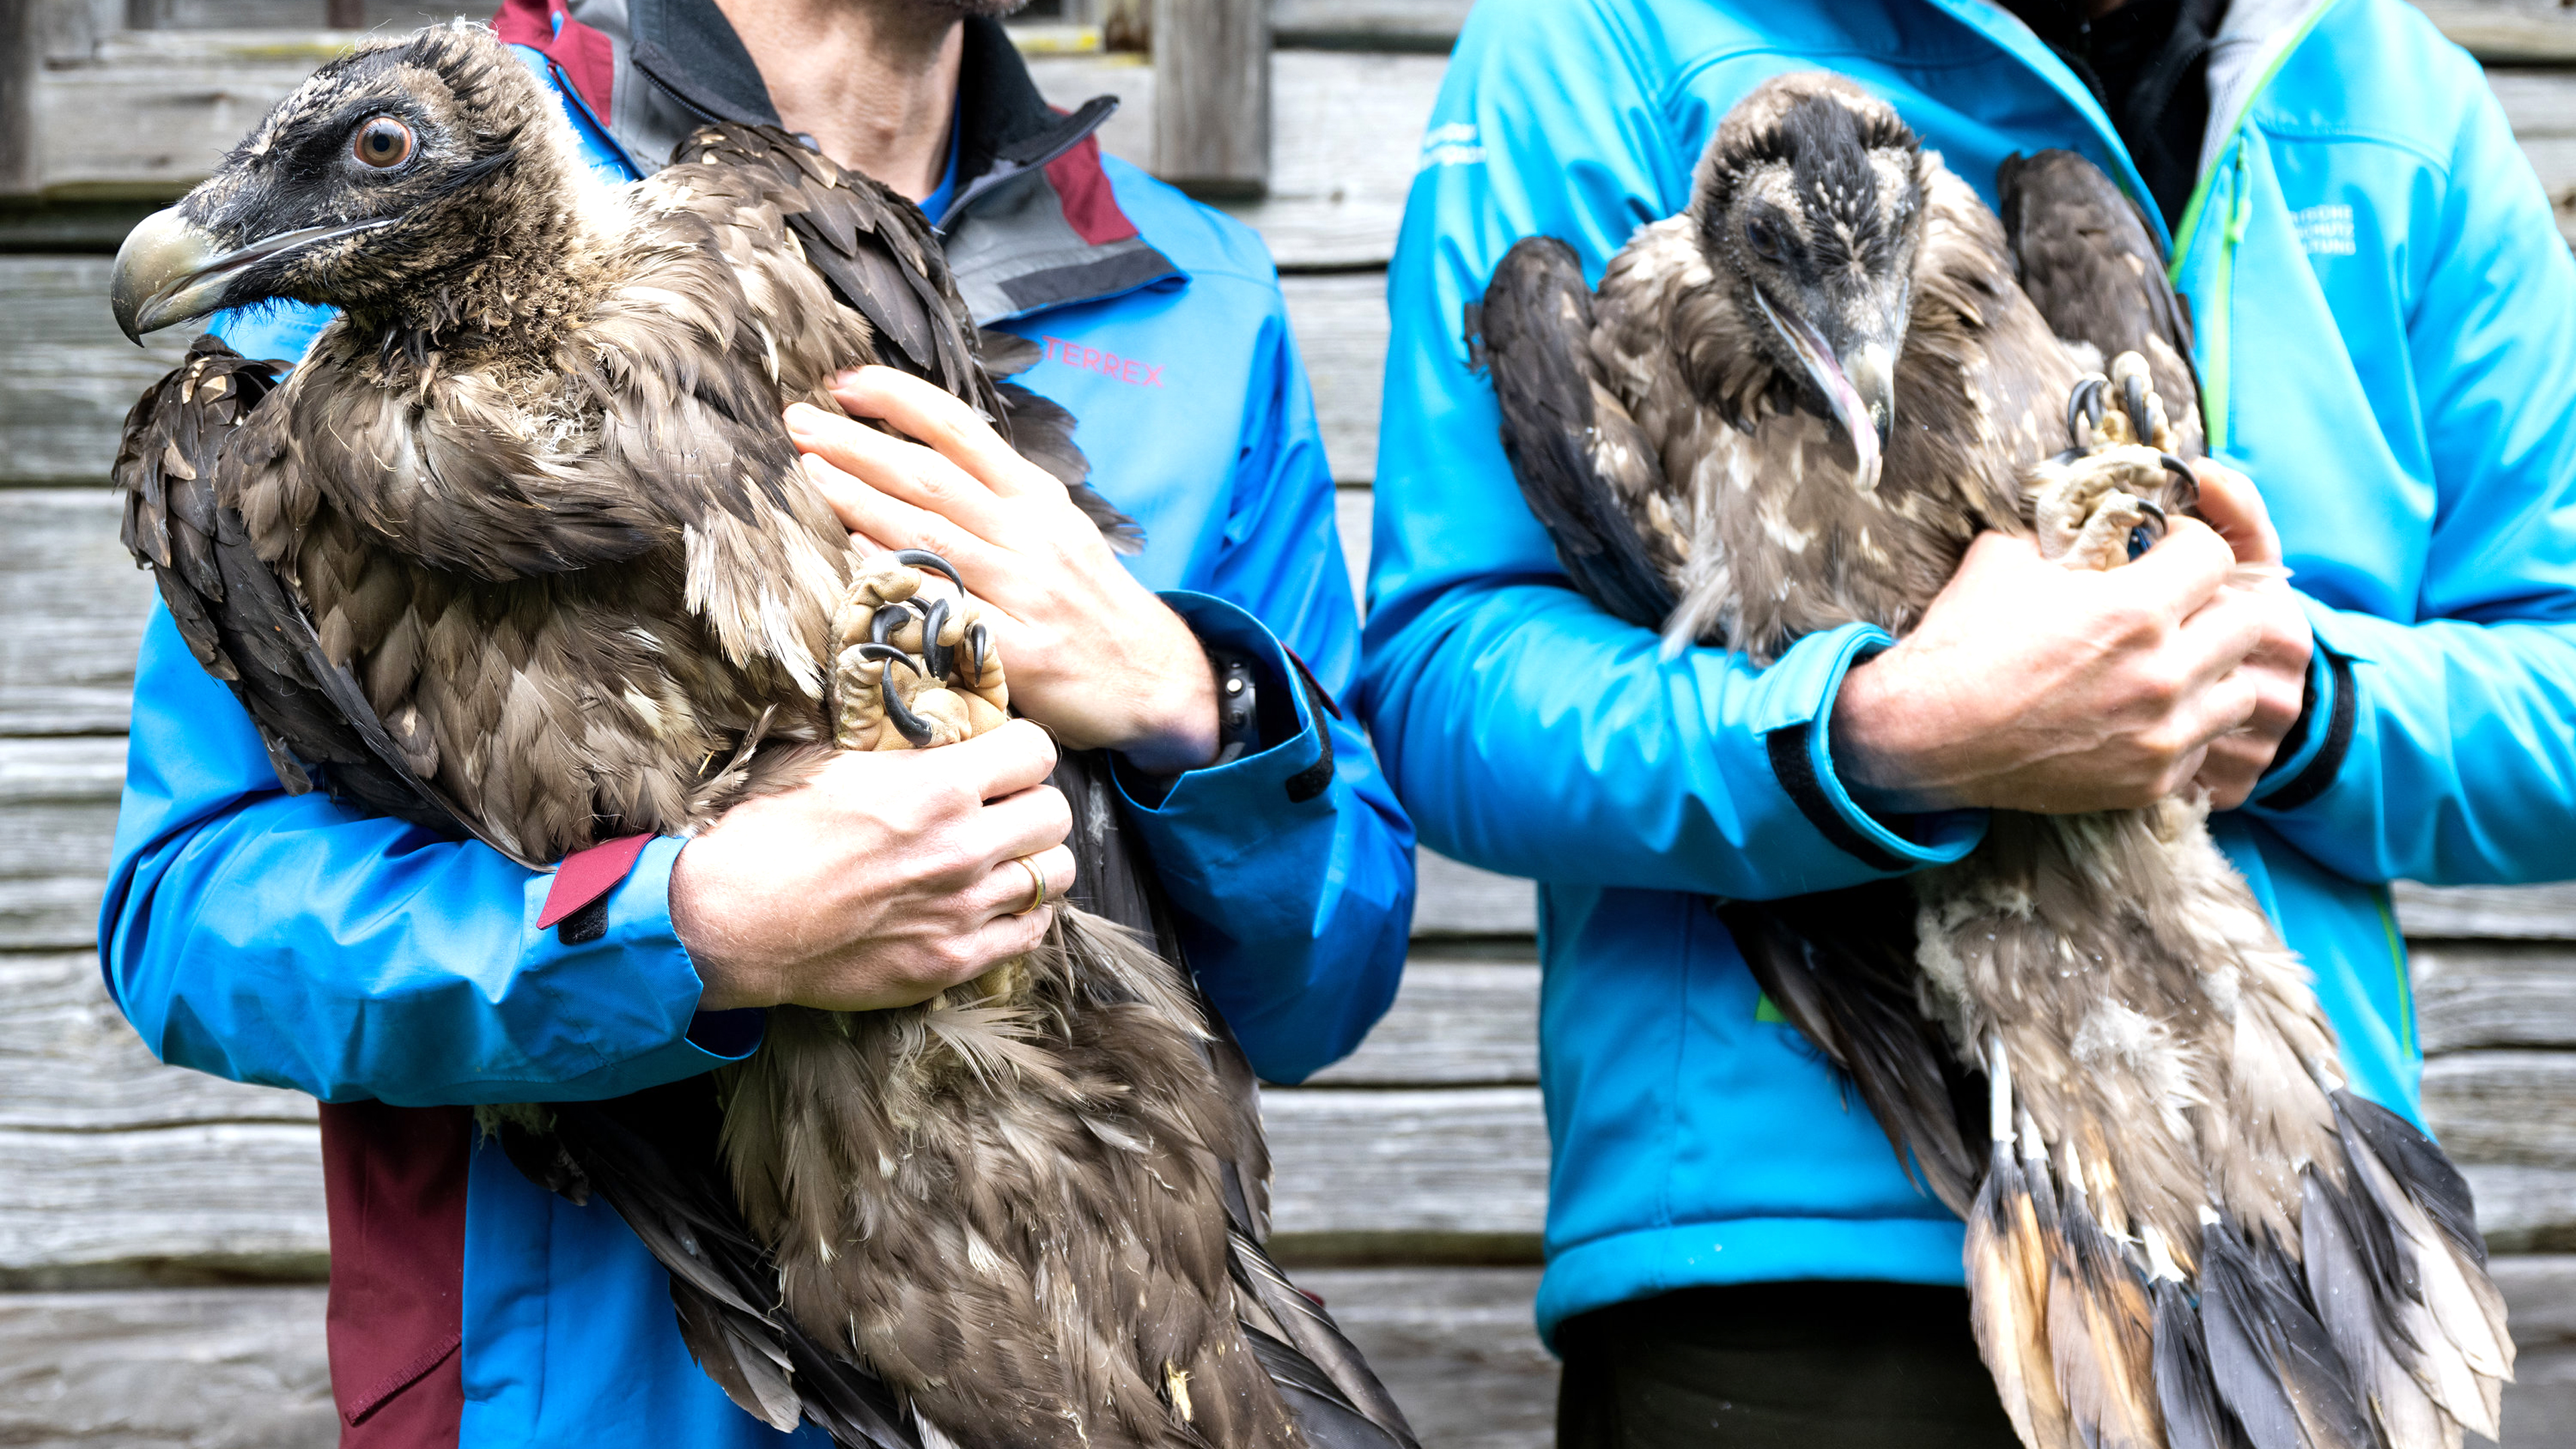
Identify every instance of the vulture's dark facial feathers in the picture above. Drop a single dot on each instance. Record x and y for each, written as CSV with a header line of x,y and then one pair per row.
x,y
1810,206
373,185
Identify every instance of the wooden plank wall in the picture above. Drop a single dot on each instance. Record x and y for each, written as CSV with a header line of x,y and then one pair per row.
x,y
161,1233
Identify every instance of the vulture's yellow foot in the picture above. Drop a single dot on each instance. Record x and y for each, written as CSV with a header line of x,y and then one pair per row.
x,y
916,667
2095,512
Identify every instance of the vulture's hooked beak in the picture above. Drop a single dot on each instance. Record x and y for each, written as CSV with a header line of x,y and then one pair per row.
x,y
1858,381
172,270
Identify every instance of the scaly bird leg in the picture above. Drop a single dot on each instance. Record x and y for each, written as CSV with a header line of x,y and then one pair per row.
x,y
893,613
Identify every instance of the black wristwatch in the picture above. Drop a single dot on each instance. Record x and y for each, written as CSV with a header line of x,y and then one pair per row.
x,y
1238,718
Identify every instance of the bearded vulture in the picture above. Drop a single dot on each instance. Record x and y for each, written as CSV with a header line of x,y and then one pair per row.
x,y
521,551
2183,1230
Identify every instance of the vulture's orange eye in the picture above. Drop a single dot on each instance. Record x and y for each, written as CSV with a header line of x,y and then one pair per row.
x,y
383,142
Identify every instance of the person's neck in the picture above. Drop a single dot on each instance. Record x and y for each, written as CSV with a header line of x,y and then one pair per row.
x,y
874,82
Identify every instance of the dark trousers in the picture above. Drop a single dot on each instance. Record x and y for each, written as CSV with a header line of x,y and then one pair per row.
x,y
1797,1365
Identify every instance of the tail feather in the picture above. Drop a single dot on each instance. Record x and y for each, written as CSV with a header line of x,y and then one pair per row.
x,y
2273,1364
2364,1328
2452,1314
2101,1334
2007,1303
2188,1396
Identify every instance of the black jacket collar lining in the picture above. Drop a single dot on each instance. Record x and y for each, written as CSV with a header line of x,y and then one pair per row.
x,y
717,78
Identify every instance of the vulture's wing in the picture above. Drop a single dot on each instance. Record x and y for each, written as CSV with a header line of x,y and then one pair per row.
x,y
236,615
1561,427
1337,1401
2089,263
884,262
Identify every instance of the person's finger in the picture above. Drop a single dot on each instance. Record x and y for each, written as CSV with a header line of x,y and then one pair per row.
x,y
1009,889
896,524
1002,937
907,471
2230,504
1002,762
2181,573
1025,823
944,422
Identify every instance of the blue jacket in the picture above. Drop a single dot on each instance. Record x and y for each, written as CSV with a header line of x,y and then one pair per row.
x,y
2387,328
288,940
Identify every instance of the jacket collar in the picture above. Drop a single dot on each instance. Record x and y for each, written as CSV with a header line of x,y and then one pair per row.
x,y
1034,223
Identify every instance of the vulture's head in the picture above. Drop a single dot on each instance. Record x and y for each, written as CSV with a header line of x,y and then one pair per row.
x,y
1810,210
393,172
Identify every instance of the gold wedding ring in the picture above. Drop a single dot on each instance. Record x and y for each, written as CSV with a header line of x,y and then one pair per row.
x,y
1037,885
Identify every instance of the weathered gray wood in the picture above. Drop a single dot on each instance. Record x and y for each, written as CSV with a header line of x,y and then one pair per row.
x,y
2507,32
1454,1023
72,376
2494,995
2504,1107
75,605
193,1203
1439,1161
21,61
1212,94
1352,520
58,797
69,1062
2542,912
1341,327
1456,1346
2524,1209
1384,25
1460,900
2540,1304
226,1368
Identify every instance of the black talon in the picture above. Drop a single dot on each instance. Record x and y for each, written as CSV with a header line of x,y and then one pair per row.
x,y
2084,400
922,558
2190,493
938,656
882,627
2133,400
980,640
906,723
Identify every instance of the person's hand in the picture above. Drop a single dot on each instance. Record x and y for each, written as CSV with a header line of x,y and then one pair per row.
x,y
2029,686
1092,654
2278,666
885,879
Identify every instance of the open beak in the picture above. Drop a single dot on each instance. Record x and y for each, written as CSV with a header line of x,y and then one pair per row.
x,y
172,270
1859,384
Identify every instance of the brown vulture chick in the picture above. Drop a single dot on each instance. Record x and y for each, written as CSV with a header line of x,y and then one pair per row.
x,y
1792,407
521,550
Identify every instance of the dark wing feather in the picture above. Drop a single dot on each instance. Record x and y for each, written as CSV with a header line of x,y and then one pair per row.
x,y
2090,264
1534,324
875,247
1840,966
1327,1385
237,617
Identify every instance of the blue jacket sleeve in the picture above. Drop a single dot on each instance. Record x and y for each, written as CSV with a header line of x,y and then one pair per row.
x,y
1528,731
1291,867
289,941
2439,747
